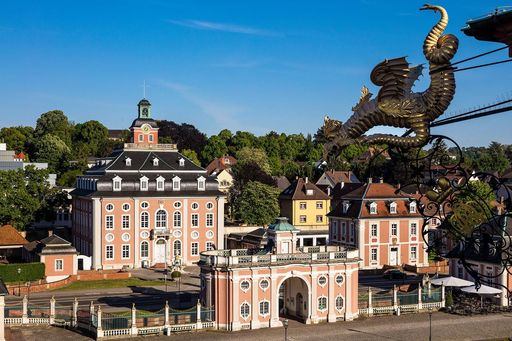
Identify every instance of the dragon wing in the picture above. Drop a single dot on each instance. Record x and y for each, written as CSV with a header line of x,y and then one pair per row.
x,y
395,77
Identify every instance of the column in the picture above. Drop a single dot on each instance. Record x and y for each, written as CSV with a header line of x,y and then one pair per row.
x,y
255,316
420,303
2,316
370,307
220,223
99,329
348,294
24,318
313,302
167,327
136,243
208,290
235,308
395,299
504,291
91,308
185,230
52,310
133,330
74,318
331,300
198,315
97,228
443,298
274,292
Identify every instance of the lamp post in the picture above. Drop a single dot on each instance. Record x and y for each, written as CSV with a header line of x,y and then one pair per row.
x,y
430,324
285,325
19,281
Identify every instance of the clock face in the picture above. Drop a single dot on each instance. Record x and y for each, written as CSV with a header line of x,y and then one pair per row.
x,y
145,112
146,128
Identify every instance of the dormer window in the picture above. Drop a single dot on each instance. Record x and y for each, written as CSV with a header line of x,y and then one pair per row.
x,y
201,183
128,162
373,208
182,162
176,183
346,205
309,192
226,161
155,161
412,207
392,208
144,183
116,184
160,183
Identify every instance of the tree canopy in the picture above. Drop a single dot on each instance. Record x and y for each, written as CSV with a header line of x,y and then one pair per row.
x,y
257,204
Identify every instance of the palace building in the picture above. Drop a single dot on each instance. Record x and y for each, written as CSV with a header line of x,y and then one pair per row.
x,y
254,288
146,204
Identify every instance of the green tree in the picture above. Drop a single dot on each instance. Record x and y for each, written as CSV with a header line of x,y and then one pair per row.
x,y
16,138
240,140
192,155
54,122
90,134
499,158
254,156
53,150
214,148
257,204
477,191
226,135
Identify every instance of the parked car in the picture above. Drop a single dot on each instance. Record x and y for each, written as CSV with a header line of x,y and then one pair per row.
x,y
394,274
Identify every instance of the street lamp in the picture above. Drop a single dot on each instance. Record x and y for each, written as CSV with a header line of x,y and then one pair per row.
x,y
19,281
285,325
430,324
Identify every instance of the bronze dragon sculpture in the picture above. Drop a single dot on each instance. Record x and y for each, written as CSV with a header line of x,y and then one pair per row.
x,y
396,105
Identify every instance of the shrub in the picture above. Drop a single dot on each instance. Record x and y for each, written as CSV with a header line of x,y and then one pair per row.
x,y
175,274
449,299
28,272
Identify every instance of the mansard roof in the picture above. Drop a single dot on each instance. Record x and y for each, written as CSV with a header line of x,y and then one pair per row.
x,y
298,191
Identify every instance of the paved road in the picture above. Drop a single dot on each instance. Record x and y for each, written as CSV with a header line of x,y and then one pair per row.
x,y
406,327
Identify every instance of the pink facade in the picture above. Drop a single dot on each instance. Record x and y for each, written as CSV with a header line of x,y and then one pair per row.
x,y
146,205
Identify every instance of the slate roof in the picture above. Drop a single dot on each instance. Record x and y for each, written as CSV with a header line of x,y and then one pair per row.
x,y
143,161
9,236
138,122
55,245
282,182
298,189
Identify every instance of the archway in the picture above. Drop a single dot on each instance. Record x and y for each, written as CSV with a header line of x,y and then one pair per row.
x,y
294,299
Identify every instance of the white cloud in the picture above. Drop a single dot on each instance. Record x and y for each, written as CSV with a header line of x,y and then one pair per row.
x,y
223,27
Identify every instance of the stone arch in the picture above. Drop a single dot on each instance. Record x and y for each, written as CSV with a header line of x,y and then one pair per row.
x,y
292,290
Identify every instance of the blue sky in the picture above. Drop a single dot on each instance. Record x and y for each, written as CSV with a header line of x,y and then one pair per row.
x,y
243,65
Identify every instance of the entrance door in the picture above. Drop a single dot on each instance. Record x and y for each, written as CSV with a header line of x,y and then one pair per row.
x,y
298,305
80,264
393,256
159,251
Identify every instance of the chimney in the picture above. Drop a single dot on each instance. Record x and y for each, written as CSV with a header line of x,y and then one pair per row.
x,y
342,184
329,190
381,180
370,180
306,181
50,233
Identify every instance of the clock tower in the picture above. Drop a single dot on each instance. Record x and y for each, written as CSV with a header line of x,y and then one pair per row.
x,y
144,129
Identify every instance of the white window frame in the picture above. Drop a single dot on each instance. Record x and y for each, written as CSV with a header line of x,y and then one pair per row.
x,y
336,303
144,222
144,183
319,218
157,222
181,162
342,279
177,219
128,162
210,246
412,207
318,303
319,205
57,267
117,184
209,205
201,183
107,223
303,205
325,278
155,161
303,221
175,250
150,137
107,252
125,248
413,228
246,306
395,232
248,285
392,208
146,251
266,281
194,220
210,220
262,304
160,183
372,254
107,207
373,208
194,248
176,183
376,234
125,220
141,138
414,253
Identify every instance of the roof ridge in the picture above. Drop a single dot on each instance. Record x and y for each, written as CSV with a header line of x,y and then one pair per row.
x,y
161,159
144,162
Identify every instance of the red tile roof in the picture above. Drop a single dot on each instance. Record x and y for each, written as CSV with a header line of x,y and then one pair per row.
x,y
339,176
220,163
9,236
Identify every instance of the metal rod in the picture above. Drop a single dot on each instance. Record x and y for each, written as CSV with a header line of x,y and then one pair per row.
x,y
476,110
470,117
483,65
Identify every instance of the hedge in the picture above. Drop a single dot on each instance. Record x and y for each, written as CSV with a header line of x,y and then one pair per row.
x,y
29,272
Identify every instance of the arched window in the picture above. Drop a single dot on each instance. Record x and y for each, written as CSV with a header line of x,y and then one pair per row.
x,y
161,219
144,249
177,219
177,248
144,220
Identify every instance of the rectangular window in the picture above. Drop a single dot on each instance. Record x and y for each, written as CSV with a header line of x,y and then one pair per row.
x,y
303,219
109,222
412,207
394,229
143,185
460,272
352,232
209,219
343,231
176,185
392,208
194,249
200,185
126,221
195,220
117,185
59,265
150,138
303,205
413,229
141,138
209,246
413,252
374,255
264,307
160,185
125,252
322,303
319,205
374,230
109,252
319,219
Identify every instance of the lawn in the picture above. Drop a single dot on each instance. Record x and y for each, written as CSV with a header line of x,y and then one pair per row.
x,y
112,283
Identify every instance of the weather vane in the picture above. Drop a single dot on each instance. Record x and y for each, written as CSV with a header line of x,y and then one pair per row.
x,y
396,105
